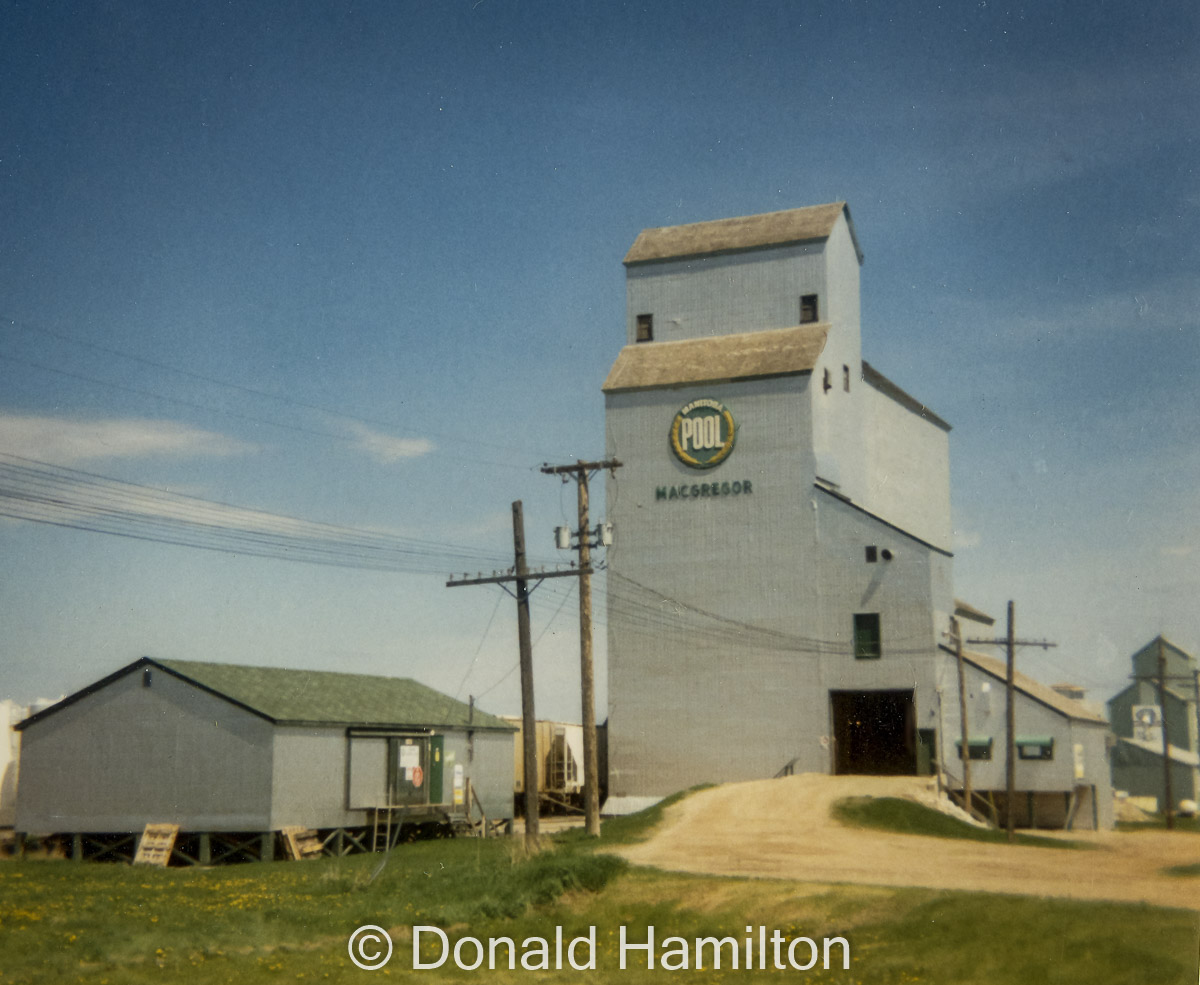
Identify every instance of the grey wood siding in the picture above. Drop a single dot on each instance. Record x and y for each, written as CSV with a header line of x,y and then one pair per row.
x,y
309,780
368,772
694,699
126,755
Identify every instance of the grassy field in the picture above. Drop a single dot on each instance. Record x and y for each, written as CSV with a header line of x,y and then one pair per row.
x,y
62,922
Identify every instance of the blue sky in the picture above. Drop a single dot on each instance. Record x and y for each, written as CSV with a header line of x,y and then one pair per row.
x,y
361,264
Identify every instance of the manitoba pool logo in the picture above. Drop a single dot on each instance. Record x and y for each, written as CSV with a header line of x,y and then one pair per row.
x,y
703,433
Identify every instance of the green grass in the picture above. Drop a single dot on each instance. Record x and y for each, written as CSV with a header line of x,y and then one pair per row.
x,y
253,924
1159,822
907,817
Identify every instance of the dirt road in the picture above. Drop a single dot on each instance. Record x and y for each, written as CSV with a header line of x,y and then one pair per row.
x,y
783,829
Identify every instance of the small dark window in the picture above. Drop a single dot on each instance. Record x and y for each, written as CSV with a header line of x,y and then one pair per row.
x,y
1041,747
867,642
846,378
808,308
645,328
872,554
976,748
147,677
825,382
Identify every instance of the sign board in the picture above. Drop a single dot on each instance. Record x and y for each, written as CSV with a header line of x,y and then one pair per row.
x,y
703,433
1147,723
459,795
410,756
156,844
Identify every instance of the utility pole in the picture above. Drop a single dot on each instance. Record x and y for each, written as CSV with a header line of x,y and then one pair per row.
x,y
591,759
1010,751
1010,643
962,712
520,575
1196,749
1166,741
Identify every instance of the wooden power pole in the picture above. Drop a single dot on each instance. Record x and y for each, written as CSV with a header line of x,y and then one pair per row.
x,y
1010,749
962,712
1166,740
1010,644
587,675
520,575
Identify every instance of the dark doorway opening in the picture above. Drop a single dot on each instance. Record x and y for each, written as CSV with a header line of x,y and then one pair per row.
x,y
874,733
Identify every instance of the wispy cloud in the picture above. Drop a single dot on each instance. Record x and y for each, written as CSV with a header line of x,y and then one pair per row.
x,y
387,449
68,441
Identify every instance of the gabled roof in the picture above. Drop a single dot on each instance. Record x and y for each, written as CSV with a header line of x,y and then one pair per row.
x,y
743,356
1040,692
310,697
749,232
1179,661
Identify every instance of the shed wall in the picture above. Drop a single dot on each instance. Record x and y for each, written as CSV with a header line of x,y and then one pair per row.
x,y
127,755
486,758
309,786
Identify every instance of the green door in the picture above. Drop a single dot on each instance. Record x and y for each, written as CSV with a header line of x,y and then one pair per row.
x,y
410,769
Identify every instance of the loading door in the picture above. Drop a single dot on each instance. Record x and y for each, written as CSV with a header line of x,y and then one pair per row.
x,y
874,733
410,771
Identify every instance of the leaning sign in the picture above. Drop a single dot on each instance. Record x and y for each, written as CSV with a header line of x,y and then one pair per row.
x,y
156,844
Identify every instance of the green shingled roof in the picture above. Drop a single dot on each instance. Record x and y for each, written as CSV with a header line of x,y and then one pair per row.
x,y
326,697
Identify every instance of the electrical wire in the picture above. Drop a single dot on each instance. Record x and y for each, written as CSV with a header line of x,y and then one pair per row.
x,y
41,492
550,622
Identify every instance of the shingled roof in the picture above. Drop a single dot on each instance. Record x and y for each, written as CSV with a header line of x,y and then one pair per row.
x,y
743,356
311,697
814,222
1040,692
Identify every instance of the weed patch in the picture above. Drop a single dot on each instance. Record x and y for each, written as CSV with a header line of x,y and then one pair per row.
x,y
906,817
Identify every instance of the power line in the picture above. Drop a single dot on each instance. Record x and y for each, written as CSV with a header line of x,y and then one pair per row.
x,y
41,492
647,610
